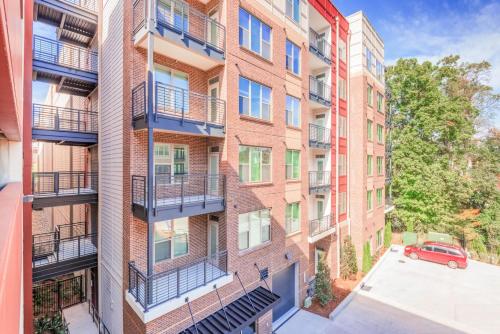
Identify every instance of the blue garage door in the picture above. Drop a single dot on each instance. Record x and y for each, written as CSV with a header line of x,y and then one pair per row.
x,y
284,286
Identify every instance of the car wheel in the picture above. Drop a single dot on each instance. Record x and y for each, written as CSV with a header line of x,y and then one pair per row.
x,y
452,264
414,256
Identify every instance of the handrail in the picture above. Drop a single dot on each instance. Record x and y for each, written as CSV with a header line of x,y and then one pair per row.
x,y
64,54
320,89
319,179
320,44
319,134
62,249
64,119
63,183
319,225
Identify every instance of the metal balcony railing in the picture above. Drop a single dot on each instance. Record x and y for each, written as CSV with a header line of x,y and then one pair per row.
x,y
46,241
318,44
63,183
158,288
180,103
319,135
320,225
90,5
64,54
320,89
64,119
178,190
319,179
47,251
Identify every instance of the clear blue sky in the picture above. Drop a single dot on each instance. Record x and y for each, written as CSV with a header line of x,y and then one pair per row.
x,y
431,29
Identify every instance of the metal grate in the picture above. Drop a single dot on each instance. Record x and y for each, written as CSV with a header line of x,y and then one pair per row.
x,y
51,297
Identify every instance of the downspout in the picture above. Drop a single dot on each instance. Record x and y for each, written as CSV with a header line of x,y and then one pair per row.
x,y
337,143
348,88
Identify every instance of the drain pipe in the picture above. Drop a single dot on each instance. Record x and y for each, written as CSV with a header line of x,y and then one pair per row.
x,y
337,143
348,134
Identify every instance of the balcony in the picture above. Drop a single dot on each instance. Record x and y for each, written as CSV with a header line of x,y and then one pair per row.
x,y
320,228
63,188
62,252
320,93
319,182
179,110
319,137
179,196
165,291
73,69
76,19
183,33
320,47
64,125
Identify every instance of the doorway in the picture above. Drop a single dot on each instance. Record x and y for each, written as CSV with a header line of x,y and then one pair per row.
x,y
213,93
213,172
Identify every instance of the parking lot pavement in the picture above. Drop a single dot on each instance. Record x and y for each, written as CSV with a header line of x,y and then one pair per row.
x,y
407,296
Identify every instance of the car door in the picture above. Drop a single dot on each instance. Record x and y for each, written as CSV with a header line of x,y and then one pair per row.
x,y
440,255
426,253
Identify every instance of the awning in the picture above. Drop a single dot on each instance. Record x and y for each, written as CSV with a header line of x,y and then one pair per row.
x,y
240,313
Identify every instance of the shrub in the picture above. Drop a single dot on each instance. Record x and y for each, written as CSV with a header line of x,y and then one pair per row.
x,y
388,235
367,258
51,324
348,261
323,291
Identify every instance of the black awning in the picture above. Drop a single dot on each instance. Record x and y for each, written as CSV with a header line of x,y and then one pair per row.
x,y
240,313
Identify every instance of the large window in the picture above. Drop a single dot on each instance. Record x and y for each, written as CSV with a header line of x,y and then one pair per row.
x,y
380,165
254,99
170,160
380,71
369,200
292,164
171,239
254,228
255,164
292,218
369,95
293,9
342,203
369,165
380,102
369,130
342,164
292,57
342,89
380,134
292,111
342,50
380,195
342,126
254,34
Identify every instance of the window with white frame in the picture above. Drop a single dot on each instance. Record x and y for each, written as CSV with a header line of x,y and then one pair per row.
x,y
292,165
380,133
254,228
254,34
342,203
292,111
380,196
342,126
380,166
380,70
254,99
369,95
254,164
292,57
369,200
342,50
369,165
170,160
380,102
342,89
342,165
292,218
171,239
292,10
369,59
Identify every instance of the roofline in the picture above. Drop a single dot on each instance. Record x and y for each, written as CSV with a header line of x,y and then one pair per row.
x,y
363,16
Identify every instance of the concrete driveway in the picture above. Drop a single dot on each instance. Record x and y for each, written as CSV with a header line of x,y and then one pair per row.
x,y
406,296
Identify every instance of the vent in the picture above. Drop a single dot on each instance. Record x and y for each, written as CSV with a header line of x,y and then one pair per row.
x,y
213,149
320,156
213,218
264,273
320,116
213,81
320,196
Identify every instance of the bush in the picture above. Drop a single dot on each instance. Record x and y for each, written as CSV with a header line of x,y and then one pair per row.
x,y
388,235
323,291
348,261
367,258
51,324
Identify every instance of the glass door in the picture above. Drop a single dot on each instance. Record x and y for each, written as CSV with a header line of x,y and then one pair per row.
x,y
320,163
213,93
213,174
213,239
212,28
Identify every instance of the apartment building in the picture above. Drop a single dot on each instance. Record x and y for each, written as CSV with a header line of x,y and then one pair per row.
x,y
366,142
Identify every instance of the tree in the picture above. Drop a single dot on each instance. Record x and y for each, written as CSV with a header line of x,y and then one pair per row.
x,y
367,258
388,235
323,289
348,261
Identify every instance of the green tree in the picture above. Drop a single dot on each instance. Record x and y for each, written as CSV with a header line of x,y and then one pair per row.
x,y
323,289
367,258
348,261
388,235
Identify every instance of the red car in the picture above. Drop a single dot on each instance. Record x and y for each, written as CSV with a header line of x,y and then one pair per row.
x,y
453,256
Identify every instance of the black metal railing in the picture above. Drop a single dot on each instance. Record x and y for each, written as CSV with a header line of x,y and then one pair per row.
x,y
59,249
139,102
47,117
320,45
179,16
150,291
139,8
51,297
320,225
64,54
85,4
63,183
101,327
319,179
320,89
319,135
177,190
46,242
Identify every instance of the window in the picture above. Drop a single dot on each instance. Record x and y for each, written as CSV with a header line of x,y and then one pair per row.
x,y
342,126
255,164
292,111
292,218
342,50
369,200
369,130
171,239
342,89
342,165
380,134
254,99
379,196
369,61
369,165
379,238
380,102
380,165
293,9
254,34
292,57
342,202
292,165
168,164
380,71
254,228
439,250
369,94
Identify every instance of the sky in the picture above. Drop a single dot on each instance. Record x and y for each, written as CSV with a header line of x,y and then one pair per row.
x,y
432,29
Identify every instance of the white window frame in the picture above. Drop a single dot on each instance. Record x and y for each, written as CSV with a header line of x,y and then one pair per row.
x,y
261,39
172,223
291,111
261,100
342,202
342,89
170,161
289,168
342,165
291,62
249,181
294,223
263,223
342,50
290,9
342,126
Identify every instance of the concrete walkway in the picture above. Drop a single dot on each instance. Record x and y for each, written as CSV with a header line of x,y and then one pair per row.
x,y
79,320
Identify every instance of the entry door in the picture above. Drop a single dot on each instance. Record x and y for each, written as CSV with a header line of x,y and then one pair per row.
x,y
320,163
213,239
318,255
284,286
173,90
213,91
320,121
320,208
212,27
321,78
321,43
213,174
